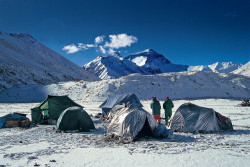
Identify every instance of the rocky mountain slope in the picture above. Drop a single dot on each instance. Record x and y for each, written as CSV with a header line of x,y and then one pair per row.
x,y
24,60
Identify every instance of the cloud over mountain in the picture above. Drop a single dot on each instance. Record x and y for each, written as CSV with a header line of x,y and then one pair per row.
x,y
109,46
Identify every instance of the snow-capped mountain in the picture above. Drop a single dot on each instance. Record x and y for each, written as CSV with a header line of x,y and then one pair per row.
x,y
244,70
154,62
225,67
177,85
112,67
146,62
24,60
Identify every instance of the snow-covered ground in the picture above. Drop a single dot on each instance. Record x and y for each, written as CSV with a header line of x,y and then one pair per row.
x,y
42,146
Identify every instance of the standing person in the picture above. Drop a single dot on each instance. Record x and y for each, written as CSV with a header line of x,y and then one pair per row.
x,y
168,105
156,109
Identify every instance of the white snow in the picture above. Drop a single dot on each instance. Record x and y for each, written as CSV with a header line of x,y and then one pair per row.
x,y
41,145
224,67
140,61
183,85
244,70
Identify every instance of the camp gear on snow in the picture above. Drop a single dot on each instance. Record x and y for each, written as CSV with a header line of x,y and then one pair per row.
x,y
161,131
192,118
168,105
75,118
156,107
113,100
245,102
14,120
51,108
170,132
131,122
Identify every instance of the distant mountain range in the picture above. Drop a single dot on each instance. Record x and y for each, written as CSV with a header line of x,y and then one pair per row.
x,y
180,85
147,62
244,70
225,67
24,60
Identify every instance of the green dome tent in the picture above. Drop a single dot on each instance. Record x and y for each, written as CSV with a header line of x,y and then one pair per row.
x,y
75,118
51,108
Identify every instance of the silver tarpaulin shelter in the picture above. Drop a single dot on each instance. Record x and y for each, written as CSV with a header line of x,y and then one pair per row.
x,y
113,100
131,122
192,118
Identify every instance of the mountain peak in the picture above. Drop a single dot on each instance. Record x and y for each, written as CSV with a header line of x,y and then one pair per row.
x,y
116,54
148,57
149,51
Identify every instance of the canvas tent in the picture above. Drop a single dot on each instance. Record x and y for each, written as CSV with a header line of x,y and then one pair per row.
x,y
131,122
51,108
192,118
75,118
113,100
14,120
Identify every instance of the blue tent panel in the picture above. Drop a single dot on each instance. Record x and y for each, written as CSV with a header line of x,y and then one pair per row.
x,y
10,116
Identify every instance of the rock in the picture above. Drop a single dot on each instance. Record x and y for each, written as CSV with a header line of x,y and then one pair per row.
x,y
32,157
36,164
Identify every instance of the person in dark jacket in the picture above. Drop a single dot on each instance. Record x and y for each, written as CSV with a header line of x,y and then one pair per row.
x,y
168,105
156,109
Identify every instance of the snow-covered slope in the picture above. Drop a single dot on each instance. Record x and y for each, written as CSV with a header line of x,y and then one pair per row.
x,y
154,62
146,62
112,67
23,60
244,70
181,85
225,67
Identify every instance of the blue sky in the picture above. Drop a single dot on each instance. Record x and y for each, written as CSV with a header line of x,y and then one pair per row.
x,y
191,32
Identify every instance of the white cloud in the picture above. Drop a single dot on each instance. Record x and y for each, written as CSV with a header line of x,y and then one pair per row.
x,y
120,41
90,45
102,49
111,51
85,46
99,39
82,46
71,49
116,42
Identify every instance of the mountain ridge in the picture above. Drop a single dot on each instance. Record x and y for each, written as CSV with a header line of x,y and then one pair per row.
x,y
176,85
24,60
147,62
